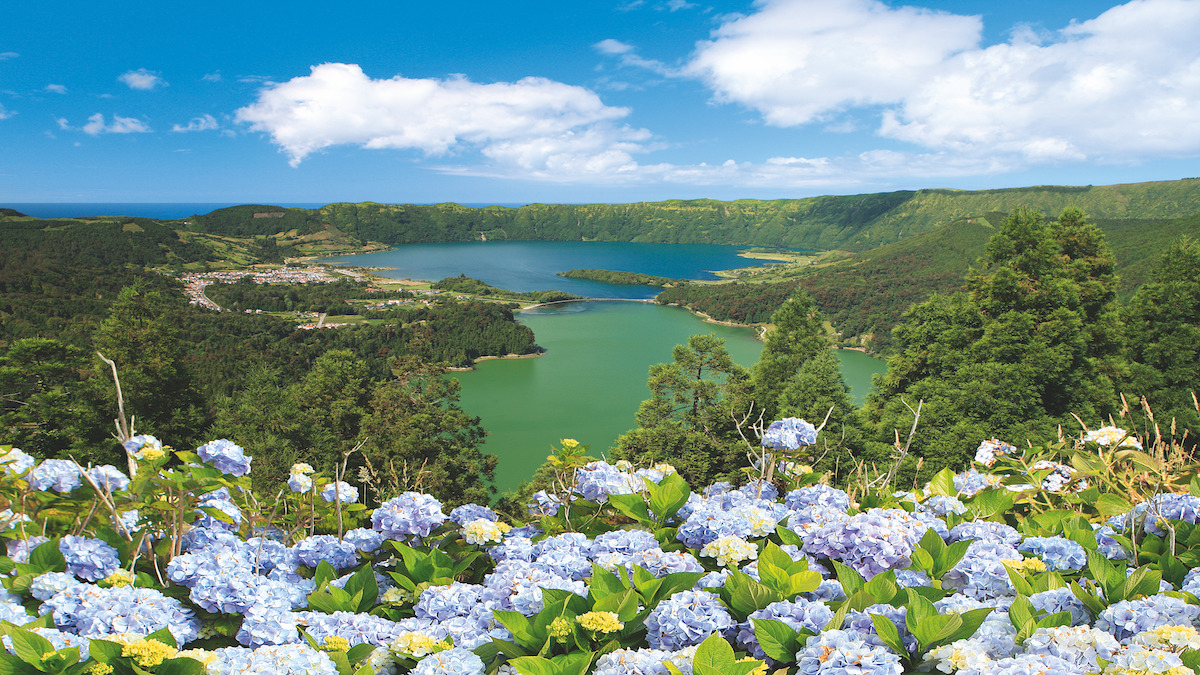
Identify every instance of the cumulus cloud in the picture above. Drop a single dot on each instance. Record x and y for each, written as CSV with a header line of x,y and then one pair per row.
x,y
1120,87
535,125
203,123
56,89
142,79
120,125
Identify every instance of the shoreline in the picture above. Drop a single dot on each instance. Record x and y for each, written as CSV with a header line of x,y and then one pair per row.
x,y
467,369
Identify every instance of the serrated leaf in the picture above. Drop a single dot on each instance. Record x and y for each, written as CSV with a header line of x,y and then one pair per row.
x,y
777,639
714,656
30,646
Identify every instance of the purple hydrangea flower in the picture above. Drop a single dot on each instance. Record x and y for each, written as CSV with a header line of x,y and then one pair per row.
x,y
226,456
543,504
985,530
16,462
791,433
468,512
597,480
340,554
817,495
1127,618
366,541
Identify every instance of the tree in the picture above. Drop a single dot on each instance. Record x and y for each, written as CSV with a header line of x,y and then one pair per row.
x,y
160,395
416,437
39,379
798,375
688,420
263,415
1036,339
333,398
1163,324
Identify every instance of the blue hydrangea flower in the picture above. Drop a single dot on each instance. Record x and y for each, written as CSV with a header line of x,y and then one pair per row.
x,y
686,619
96,612
340,491
941,506
314,549
1127,618
1059,553
633,662
226,456
456,661
1080,645
791,433
801,614
16,462
290,659
1062,600
517,586
981,574
840,652
985,530
597,480
622,541
19,549
971,482
817,495
356,628
108,477
89,559
439,603
870,542
468,512
410,514
543,505
60,474
366,541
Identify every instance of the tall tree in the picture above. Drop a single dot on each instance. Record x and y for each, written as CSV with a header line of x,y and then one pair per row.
x,y
263,415
1036,339
333,398
416,437
688,421
1163,324
39,379
140,337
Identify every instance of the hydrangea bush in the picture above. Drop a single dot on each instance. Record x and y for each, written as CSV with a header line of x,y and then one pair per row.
x,y
1028,562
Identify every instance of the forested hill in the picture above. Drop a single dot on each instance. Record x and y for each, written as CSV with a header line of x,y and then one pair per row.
x,y
851,223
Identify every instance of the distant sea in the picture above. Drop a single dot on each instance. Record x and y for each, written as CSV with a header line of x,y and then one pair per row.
x,y
149,210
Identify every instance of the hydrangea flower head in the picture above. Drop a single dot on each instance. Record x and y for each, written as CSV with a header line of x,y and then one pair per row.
x,y
844,652
145,447
1108,436
543,504
90,559
600,622
16,462
729,550
484,531
990,450
340,491
412,513
686,618
226,456
60,474
108,477
456,661
791,433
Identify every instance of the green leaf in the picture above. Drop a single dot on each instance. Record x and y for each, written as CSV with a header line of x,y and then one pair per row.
x,y
883,587
991,502
604,583
887,631
533,665
943,483
788,537
633,506
181,666
668,496
745,595
850,579
519,626
777,639
971,621
30,646
362,584
164,636
930,630
714,656
47,557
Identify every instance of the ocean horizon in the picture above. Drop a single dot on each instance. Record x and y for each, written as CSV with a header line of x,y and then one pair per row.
x,y
160,210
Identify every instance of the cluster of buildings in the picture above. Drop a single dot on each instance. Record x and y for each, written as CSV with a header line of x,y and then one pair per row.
x,y
195,282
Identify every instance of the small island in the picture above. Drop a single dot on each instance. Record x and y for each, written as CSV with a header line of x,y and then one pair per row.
x,y
618,278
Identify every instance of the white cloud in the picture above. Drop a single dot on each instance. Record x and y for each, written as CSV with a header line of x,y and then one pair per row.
x,y
142,79
212,77
56,89
120,125
676,5
1121,87
203,123
629,57
797,61
531,126
4,56
5,114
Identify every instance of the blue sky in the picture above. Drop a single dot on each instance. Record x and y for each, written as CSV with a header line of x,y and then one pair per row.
x,y
595,101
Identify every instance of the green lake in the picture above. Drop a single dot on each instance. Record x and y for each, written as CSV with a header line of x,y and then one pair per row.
x,y
590,381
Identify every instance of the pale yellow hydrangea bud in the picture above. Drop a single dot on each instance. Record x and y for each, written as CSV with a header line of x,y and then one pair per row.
x,y
483,531
600,622
729,550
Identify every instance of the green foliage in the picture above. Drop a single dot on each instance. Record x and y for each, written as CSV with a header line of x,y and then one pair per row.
x,y
620,278
1037,340
464,284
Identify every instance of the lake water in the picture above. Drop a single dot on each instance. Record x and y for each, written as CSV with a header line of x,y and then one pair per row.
x,y
533,265
590,381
